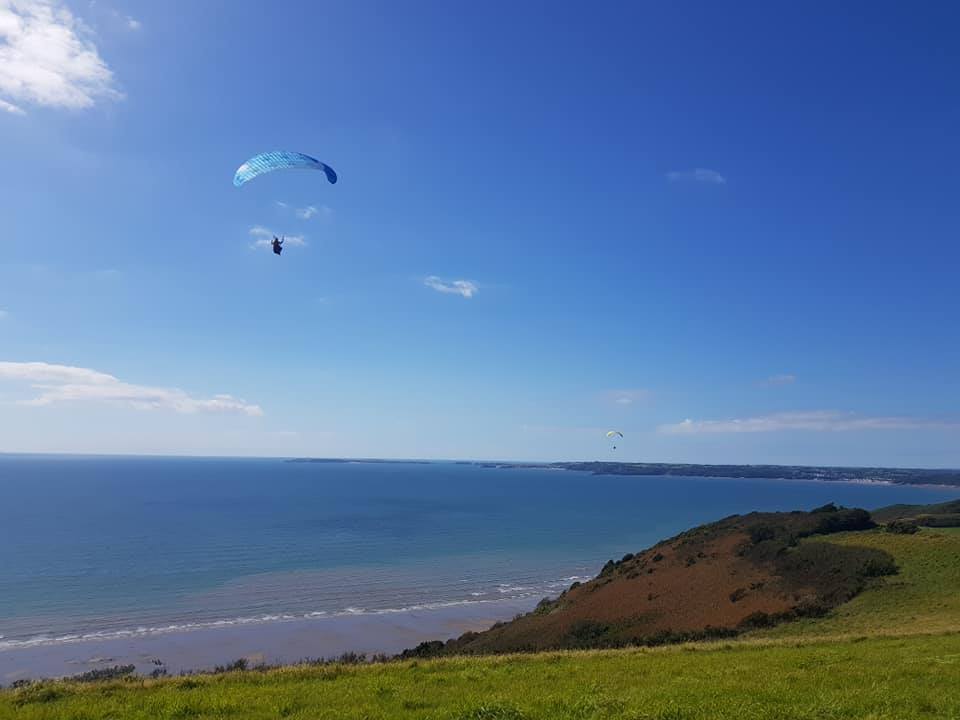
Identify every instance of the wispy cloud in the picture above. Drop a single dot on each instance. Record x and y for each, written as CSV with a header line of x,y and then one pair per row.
x,y
65,383
263,238
464,288
702,175
48,58
118,19
11,108
627,397
816,421
308,212
779,380
3,313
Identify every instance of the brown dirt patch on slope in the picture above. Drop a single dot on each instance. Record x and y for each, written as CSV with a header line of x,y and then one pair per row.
x,y
716,579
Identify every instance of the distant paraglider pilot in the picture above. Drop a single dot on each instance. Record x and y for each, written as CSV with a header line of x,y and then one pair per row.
x,y
614,435
277,245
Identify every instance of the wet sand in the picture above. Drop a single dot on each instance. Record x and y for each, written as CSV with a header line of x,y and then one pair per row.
x,y
269,642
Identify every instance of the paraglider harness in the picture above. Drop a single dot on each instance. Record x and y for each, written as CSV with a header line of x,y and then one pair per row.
x,y
277,245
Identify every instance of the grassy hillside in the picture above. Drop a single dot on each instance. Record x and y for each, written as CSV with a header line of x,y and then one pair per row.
x,y
877,678
945,514
712,581
924,597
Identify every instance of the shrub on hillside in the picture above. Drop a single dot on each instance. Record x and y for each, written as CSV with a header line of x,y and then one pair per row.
x,y
111,673
39,692
844,521
588,634
543,607
828,508
738,594
902,527
878,567
431,648
237,665
760,533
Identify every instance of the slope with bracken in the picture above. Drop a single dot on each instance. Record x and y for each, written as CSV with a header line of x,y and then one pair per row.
x,y
741,572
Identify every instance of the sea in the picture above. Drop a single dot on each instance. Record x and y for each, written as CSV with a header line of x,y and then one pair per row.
x,y
94,548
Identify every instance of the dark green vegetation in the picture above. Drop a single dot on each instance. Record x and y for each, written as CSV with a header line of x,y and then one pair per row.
x,y
109,673
923,597
714,581
902,517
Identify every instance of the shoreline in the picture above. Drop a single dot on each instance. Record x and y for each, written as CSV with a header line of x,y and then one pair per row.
x,y
906,477
271,642
187,626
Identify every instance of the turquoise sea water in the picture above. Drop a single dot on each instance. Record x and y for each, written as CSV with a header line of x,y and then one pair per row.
x,y
115,547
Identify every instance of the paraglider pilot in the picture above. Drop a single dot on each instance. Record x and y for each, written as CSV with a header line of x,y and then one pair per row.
x,y
277,245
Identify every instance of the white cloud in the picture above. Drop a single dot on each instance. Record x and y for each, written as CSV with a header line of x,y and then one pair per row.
x,y
778,380
263,238
697,175
464,288
47,58
816,421
627,397
11,108
65,383
308,212
127,21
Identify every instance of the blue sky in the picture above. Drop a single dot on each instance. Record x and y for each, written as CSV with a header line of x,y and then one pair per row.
x,y
729,231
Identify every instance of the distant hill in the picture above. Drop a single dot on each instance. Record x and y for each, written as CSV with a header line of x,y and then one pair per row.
x,y
945,514
719,579
896,476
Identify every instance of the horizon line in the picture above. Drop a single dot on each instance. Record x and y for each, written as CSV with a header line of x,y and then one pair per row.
x,y
371,459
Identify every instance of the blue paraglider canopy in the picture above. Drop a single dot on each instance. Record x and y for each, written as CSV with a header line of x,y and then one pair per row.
x,y
279,160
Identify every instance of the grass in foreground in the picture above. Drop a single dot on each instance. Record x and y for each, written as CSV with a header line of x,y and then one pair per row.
x,y
879,678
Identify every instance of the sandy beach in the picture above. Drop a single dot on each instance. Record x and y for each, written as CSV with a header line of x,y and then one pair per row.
x,y
268,642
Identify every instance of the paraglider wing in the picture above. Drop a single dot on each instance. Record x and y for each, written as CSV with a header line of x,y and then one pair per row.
x,y
614,433
279,160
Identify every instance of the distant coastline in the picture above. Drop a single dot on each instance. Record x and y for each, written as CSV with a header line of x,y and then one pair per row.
x,y
889,476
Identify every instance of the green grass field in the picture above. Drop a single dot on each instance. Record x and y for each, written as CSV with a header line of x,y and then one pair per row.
x,y
893,652
878,678
924,597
